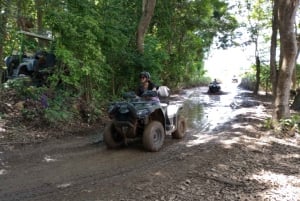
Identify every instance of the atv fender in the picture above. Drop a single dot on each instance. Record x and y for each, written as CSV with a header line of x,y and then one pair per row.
x,y
159,115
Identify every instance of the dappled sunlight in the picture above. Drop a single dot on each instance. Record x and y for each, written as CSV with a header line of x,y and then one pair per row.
x,y
49,159
292,142
285,161
158,173
229,142
285,186
244,139
200,139
3,166
286,156
258,142
241,127
2,129
3,172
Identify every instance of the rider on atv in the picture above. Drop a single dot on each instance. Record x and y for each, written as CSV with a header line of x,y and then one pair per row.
x,y
145,86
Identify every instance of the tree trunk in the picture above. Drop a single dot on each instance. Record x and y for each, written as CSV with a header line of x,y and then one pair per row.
x,y
3,20
287,12
39,20
148,11
294,78
273,67
257,66
296,103
257,75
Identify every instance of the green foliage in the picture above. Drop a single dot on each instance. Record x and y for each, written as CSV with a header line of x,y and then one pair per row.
x,y
60,110
41,104
95,44
79,35
186,31
50,107
33,110
288,126
265,80
249,78
268,124
284,127
298,74
20,85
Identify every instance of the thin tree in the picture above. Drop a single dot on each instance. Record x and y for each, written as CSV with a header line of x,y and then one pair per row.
x,y
4,4
273,66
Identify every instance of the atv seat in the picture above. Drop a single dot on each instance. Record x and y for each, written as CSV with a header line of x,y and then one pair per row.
x,y
163,91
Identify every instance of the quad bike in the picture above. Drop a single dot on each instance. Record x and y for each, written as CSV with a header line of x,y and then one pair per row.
x,y
234,79
214,87
144,118
37,66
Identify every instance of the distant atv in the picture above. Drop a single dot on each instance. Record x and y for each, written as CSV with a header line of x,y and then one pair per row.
x,y
214,88
146,119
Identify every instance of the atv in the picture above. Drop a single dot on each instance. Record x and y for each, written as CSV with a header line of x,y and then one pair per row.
x,y
144,118
37,65
214,88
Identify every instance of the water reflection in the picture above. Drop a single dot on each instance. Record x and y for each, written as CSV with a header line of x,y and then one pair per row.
x,y
206,112
194,113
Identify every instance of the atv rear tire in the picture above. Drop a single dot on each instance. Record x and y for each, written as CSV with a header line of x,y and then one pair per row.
x,y
181,128
111,137
153,136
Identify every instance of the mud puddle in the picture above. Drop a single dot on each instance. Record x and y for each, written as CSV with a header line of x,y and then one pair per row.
x,y
206,112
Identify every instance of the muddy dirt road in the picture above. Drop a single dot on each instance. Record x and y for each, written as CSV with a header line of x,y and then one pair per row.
x,y
225,156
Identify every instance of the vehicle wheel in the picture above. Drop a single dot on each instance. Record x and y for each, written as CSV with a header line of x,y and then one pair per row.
x,y
3,76
181,128
111,137
153,136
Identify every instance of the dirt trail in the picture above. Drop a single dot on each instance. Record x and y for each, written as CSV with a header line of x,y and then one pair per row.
x,y
236,161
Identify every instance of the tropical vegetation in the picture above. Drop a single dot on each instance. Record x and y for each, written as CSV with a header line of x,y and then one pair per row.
x,y
101,46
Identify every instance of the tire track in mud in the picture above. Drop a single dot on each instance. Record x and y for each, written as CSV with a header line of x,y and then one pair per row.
x,y
47,190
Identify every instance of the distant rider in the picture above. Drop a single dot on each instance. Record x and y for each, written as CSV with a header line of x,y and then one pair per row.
x,y
215,81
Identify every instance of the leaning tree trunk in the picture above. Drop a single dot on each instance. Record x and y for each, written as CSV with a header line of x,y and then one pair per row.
x,y
148,10
273,67
287,12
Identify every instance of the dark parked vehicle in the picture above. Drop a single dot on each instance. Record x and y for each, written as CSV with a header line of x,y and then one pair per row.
x,y
37,66
146,119
33,66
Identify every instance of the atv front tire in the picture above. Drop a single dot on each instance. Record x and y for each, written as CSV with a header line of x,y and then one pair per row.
x,y
111,137
181,128
153,136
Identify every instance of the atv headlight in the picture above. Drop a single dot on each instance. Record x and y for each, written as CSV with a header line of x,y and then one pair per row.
x,y
142,113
